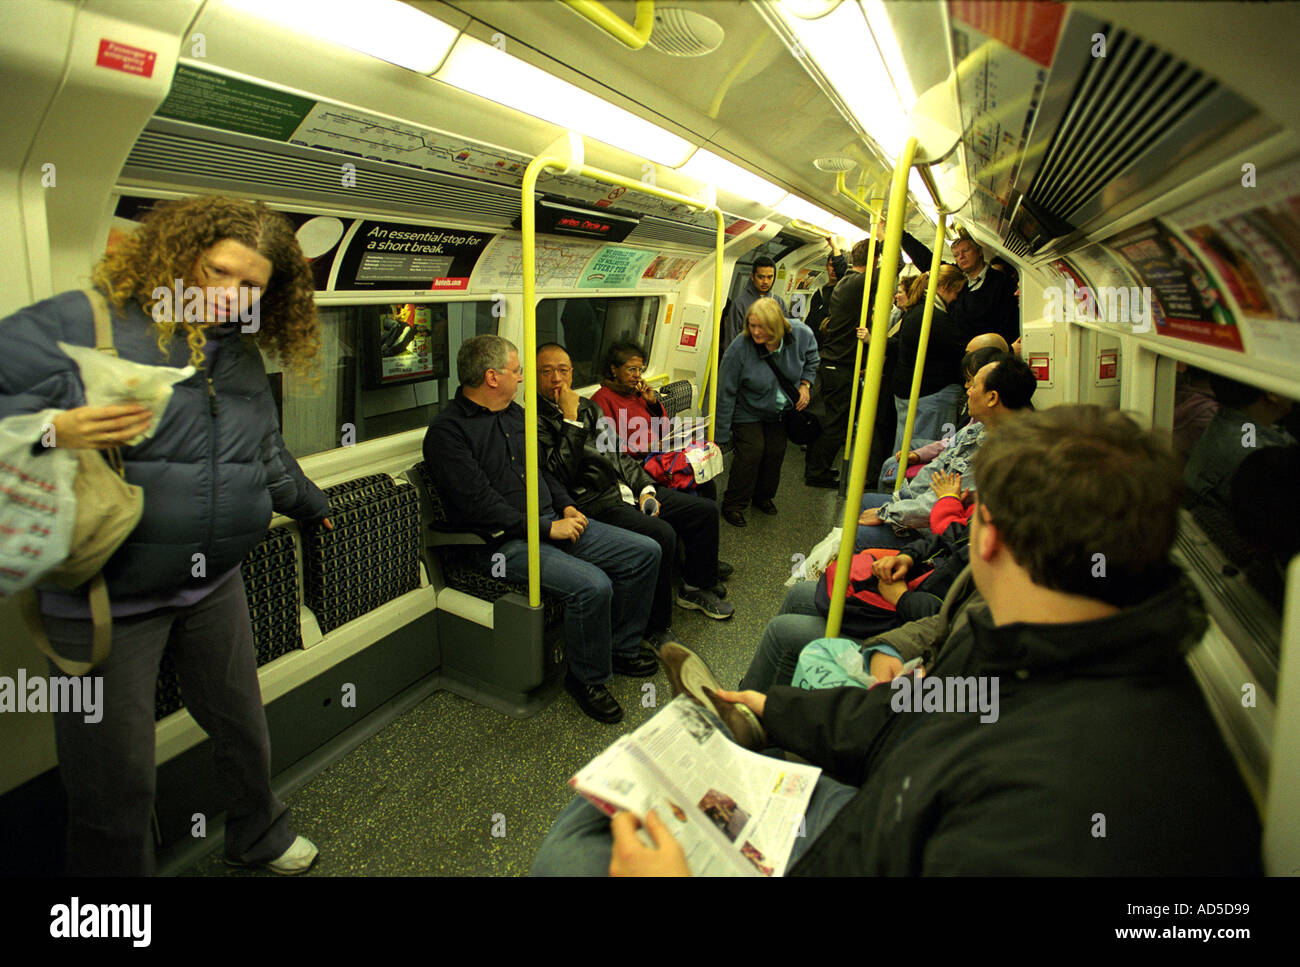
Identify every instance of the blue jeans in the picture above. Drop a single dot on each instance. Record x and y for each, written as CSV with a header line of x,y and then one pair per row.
x,y
933,413
606,581
797,623
877,535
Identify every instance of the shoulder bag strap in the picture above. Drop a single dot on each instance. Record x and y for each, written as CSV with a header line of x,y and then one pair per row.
x,y
786,386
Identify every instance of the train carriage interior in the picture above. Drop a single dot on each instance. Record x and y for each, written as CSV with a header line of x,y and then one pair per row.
x,y
1136,165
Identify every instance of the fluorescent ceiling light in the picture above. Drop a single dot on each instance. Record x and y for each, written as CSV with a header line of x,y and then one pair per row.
x,y
481,69
847,229
795,207
711,169
841,48
387,29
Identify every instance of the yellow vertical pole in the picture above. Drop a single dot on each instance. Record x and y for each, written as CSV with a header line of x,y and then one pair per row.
x,y
528,357
871,394
932,286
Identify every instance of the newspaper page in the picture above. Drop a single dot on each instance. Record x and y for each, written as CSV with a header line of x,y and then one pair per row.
x,y
734,812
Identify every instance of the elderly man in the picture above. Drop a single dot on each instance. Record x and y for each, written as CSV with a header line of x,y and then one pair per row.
x,y
610,485
474,450
987,302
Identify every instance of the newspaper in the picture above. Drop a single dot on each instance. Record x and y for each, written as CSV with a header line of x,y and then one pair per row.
x,y
734,812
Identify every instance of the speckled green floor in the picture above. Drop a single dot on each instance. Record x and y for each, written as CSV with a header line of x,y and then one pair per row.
x,y
426,794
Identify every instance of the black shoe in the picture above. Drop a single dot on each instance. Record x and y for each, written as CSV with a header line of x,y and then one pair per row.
x,y
725,571
641,665
595,700
766,506
826,480
734,517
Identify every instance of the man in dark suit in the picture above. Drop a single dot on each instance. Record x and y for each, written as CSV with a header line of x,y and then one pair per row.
x,y
987,302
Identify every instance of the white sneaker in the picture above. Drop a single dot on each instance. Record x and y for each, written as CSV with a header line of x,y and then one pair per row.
x,y
298,858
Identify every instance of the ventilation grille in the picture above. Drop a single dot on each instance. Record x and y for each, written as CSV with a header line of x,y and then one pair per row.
x,y
1124,104
1016,245
291,171
654,229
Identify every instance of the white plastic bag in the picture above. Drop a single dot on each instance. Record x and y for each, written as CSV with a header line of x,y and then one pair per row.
x,y
37,506
705,460
110,380
814,565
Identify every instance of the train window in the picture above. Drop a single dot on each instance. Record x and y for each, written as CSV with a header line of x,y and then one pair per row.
x,y
383,370
588,327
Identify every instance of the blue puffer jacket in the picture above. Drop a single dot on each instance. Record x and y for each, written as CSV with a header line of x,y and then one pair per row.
x,y
216,465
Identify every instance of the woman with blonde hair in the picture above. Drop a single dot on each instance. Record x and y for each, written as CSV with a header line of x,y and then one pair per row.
x,y
186,288
752,404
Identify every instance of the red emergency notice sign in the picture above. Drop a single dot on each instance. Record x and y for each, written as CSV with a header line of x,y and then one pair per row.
x,y
125,58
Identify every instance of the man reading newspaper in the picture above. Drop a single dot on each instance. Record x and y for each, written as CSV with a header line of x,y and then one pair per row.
x,y
1102,758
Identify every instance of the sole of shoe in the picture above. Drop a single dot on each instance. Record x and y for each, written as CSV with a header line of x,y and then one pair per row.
x,y
687,673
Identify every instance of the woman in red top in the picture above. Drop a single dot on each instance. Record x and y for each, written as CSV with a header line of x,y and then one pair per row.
x,y
633,406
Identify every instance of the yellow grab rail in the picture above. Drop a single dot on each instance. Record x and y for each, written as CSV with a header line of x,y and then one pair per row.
x,y
599,15
871,393
528,229
923,343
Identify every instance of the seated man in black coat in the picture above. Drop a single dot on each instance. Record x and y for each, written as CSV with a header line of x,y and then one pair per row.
x,y
987,302
597,471
1096,755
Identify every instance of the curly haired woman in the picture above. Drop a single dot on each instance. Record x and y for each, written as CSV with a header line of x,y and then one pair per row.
x,y
212,472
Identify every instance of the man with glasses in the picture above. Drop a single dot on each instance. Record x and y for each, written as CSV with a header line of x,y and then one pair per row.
x,y
474,451
609,484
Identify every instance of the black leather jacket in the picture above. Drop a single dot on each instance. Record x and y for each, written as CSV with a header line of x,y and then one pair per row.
x,y
588,462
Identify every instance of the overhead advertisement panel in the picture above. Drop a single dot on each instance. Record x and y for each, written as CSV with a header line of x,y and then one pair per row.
x,y
393,255
227,103
1013,46
1187,303
1250,237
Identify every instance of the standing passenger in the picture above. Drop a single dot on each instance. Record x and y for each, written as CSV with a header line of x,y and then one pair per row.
x,y
837,350
212,472
941,390
751,404
759,286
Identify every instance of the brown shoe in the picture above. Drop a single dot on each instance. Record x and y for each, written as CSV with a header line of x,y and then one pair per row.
x,y
687,673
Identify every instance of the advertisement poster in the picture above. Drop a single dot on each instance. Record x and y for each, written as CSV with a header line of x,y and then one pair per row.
x,y
392,255
666,271
412,343
615,267
1187,303
1250,238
